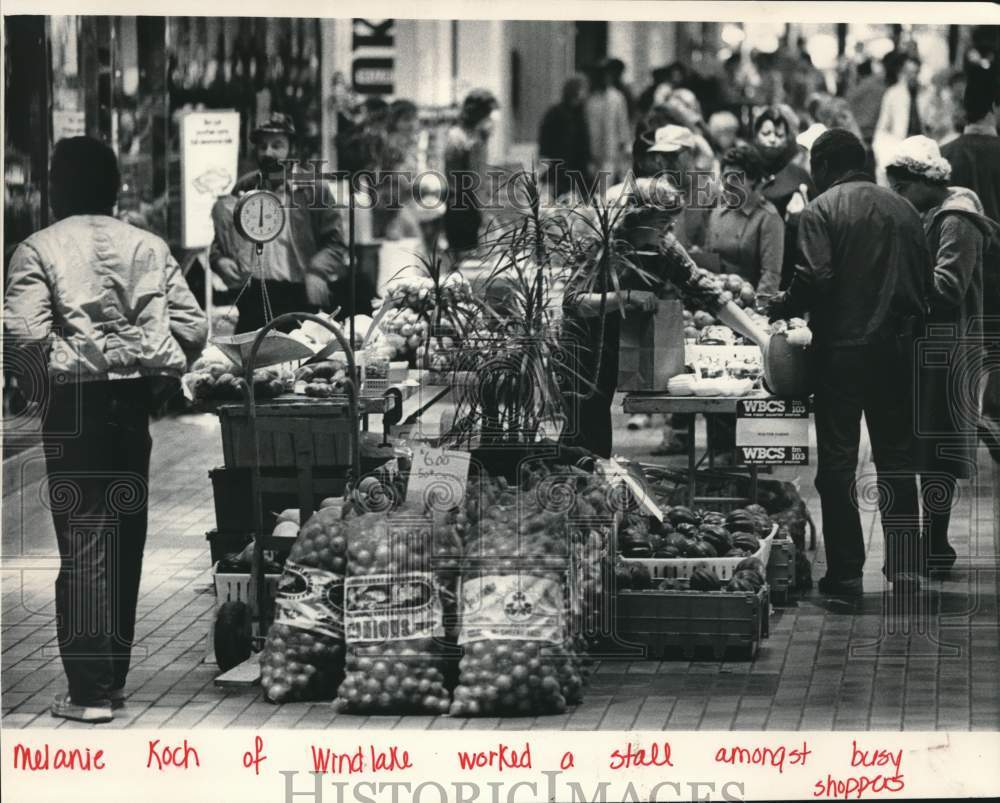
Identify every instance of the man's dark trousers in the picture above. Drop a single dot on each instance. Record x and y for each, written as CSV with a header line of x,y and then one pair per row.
x,y
97,443
874,380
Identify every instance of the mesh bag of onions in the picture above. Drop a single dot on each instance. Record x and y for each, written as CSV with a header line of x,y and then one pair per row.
x,y
303,657
395,602
519,648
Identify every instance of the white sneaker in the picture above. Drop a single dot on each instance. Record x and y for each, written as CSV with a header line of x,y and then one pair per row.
x,y
64,707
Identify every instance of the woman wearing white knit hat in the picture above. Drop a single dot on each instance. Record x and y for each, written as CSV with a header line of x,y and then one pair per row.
x,y
950,389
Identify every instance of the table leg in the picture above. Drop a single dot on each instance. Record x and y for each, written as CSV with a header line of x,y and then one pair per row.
x,y
692,462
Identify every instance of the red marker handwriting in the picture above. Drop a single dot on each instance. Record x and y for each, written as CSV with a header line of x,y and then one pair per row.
x,y
375,759
503,758
34,759
636,756
166,757
776,757
253,758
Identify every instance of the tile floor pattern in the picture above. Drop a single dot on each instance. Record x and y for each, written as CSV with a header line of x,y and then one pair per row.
x,y
827,665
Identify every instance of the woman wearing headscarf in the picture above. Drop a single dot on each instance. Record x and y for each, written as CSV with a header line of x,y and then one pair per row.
x,y
774,132
949,395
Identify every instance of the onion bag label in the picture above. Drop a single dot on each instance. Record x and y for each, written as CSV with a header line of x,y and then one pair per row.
x,y
392,607
512,607
310,599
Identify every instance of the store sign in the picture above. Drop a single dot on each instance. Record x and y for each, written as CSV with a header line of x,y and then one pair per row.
x,y
772,432
373,62
210,143
437,477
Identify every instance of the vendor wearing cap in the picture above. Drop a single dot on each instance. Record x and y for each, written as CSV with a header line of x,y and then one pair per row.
x,y
297,268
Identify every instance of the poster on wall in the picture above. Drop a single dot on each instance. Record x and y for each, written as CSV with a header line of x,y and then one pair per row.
x,y
210,143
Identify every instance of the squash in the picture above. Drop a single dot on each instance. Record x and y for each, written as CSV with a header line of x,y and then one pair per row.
x,y
751,577
687,530
637,551
740,584
747,541
642,580
705,580
681,515
673,584
690,548
717,536
787,367
740,521
703,549
751,564
675,540
667,551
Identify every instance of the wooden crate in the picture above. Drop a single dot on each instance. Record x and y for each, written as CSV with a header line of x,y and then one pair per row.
x,y
672,624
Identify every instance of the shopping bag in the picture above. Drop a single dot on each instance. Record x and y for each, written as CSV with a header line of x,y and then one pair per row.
x,y
651,348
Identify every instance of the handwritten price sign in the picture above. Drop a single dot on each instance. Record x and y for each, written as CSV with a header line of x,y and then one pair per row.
x,y
438,477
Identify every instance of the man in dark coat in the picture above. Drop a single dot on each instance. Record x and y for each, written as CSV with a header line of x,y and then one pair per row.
x,y
864,277
564,142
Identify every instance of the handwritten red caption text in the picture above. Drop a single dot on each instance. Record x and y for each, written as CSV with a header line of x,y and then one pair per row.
x,y
164,757
506,757
856,786
777,757
361,760
34,759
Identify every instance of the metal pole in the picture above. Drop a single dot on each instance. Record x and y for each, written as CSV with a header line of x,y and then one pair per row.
x,y
353,268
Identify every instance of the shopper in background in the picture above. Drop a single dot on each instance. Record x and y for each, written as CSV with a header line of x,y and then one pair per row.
x,y
948,408
564,142
724,128
865,98
296,270
106,306
608,126
745,229
788,186
616,76
465,169
975,163
864,276
899,115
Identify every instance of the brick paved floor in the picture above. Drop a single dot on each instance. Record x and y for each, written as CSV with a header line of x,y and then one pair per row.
x,y
827,665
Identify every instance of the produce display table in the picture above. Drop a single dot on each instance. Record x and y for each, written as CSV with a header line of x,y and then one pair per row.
x,y
659,402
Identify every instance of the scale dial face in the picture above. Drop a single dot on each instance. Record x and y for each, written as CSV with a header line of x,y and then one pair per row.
x,y
259,216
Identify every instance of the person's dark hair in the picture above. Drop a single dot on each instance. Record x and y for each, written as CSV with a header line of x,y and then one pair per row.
x,y
774,114
865,68
84,177
894,61
401,109
615,68
477,106
839,150
681,69
657,117
982,91
746,159
660,74
573,86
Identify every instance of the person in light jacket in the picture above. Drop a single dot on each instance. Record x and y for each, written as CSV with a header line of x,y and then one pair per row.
x,y
899,115
104,304
949,401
